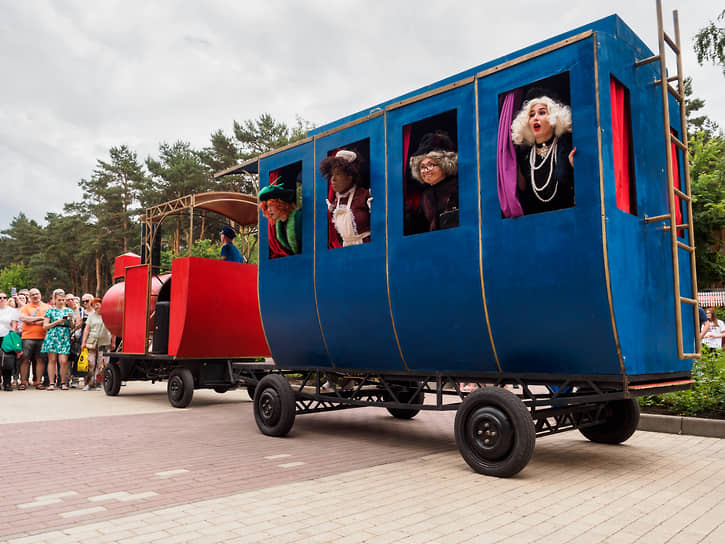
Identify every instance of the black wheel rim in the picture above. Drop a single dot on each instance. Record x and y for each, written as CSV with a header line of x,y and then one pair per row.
x,y
489,433
270,407
107,379
176,387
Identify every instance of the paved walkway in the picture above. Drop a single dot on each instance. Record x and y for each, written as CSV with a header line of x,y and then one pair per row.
x,y
139,471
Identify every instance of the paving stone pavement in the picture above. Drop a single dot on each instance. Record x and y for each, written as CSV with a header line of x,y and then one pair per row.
x,y
135,471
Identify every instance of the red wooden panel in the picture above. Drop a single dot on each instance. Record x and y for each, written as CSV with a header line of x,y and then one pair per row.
x,y
215,310
134,309
122,262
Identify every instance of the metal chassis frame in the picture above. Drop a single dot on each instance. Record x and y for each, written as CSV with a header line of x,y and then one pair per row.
x,y
158,367
557,403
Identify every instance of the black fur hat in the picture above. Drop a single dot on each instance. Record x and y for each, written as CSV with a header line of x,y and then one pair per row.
x,y
434,141
439,147
538,92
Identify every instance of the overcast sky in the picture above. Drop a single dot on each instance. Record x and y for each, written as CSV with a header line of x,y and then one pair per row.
x,y
79,77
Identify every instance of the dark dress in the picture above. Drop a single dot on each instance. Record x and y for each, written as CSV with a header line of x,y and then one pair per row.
x,y
439,204
559,192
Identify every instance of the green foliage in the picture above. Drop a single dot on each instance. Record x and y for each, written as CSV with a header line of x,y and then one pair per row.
x,y
693,105
209,249
707,396
177,172
48,275
710,43
15,275
707,179
23,239
222,154
707,174
206,249
264,134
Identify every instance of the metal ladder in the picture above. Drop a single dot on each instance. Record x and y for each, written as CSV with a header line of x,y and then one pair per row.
x,y
686,195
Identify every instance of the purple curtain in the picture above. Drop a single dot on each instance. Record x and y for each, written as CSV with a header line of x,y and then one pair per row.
x,y
506,158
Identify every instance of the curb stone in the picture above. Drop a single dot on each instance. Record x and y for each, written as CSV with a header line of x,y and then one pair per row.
x,y
696,426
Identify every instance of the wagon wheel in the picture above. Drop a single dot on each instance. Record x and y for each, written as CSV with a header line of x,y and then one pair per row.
x,y
621,420
406,397
180,387
274,405
495,432
111,379
251,390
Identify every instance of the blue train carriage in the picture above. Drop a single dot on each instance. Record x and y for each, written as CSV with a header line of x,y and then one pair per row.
x,y
554,309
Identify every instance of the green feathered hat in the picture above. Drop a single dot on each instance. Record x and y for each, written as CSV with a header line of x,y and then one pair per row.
x,y
277,191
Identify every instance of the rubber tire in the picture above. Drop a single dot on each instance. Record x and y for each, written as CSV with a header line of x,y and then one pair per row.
x,y
508,450
180,387
112,379
274,405
221,389
622,419
407,413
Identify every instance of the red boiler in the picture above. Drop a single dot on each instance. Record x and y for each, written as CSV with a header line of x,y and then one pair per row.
x,y
114,300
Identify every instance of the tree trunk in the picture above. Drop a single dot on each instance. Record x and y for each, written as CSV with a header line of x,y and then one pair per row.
x,y
98,275
177,238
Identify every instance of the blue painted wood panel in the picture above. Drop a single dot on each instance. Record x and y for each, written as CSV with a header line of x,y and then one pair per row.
x,y
286,286
640,254
435,284
351,283
544,273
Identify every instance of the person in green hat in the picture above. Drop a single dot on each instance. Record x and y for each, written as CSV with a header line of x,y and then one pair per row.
x,y
285,220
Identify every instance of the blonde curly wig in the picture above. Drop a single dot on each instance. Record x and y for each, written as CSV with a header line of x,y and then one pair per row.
x,y
559,118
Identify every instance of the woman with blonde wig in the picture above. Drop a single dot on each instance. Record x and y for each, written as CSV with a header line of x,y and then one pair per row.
x,y
541,132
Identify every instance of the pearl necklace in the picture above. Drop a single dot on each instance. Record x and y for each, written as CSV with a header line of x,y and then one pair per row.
x,y
551,152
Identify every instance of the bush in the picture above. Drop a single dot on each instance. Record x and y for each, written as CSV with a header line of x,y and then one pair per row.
x,y
707,396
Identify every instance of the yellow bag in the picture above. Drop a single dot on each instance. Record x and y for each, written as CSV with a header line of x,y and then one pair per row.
x,y
83,361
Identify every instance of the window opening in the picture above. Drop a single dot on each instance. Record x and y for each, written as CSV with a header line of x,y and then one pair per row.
x,y
349,202
281,204
622,148
535,155
430,173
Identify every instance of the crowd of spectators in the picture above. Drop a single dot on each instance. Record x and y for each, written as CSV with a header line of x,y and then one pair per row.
x,y
53,335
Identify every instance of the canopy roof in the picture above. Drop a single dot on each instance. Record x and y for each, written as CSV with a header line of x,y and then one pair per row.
x,y
240,208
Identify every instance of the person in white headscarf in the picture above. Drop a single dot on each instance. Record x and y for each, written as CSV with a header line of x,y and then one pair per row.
x,y
349,206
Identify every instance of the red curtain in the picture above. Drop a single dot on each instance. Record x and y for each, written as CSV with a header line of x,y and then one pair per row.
x,y
333,239
621,144
676,181
412,189
275,248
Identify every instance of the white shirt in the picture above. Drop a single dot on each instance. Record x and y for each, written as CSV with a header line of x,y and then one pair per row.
x,y
7,315
716,328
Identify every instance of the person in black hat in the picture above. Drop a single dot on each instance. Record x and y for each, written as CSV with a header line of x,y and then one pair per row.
x,y
541,132
229,252
285,222
348,207
435,165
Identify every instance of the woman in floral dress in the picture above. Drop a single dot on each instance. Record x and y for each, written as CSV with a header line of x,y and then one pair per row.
x,y
58,323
